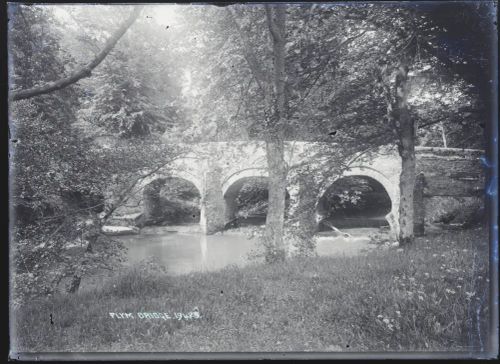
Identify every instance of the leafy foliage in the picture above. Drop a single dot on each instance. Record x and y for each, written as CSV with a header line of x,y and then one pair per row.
x,y
252,198
56,180
355,196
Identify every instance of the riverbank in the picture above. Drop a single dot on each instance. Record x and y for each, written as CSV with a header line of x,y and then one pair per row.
x,y
426,298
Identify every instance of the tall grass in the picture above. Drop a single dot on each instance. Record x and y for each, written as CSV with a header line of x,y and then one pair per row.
x,y
432,296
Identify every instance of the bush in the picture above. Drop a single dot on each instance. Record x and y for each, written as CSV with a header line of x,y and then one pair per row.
x,y
462,211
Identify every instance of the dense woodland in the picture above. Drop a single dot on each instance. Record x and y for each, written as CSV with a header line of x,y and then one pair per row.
x,y
358,75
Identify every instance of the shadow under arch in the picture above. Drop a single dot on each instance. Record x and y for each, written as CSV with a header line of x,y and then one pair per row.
x,y
245,195
171,199
248,172
379,180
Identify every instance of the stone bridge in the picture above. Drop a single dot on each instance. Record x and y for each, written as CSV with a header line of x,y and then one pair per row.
x,y
218,169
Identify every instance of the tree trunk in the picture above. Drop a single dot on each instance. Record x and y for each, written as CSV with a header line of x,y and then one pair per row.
x,y
406,149
75,284
305,213
275,248
419,205
443,135
406,185
277,168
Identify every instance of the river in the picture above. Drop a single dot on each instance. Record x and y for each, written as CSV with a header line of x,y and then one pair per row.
x,y
184,249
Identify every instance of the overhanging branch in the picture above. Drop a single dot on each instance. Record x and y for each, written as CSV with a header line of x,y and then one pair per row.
x,y
83,72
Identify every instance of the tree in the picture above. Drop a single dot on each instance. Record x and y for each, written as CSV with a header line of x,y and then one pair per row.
x,y
262,101
275,81
392,71
66,180
136,91
55,177
408,51
276,123
261,81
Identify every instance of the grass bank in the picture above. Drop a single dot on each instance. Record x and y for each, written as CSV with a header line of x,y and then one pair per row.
x,y
432,296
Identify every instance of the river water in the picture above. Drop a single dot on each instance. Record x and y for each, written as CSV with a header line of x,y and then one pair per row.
x,y
184,249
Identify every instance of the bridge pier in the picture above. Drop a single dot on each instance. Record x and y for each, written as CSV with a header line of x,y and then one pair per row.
x,y
230,208
393,220
294,202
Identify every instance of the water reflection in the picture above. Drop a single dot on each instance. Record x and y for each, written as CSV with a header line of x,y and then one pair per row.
x,y
203,249
185,252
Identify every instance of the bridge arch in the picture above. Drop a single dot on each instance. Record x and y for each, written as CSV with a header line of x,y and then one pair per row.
x,y
241,174
151,190
232,191
391,187
176,172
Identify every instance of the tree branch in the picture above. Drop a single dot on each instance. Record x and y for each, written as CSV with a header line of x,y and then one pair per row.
x,y
244,95
322,73
257,71
123,197
272,25
433,122
83,72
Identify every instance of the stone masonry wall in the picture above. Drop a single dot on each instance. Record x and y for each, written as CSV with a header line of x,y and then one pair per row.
x,y
452,184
